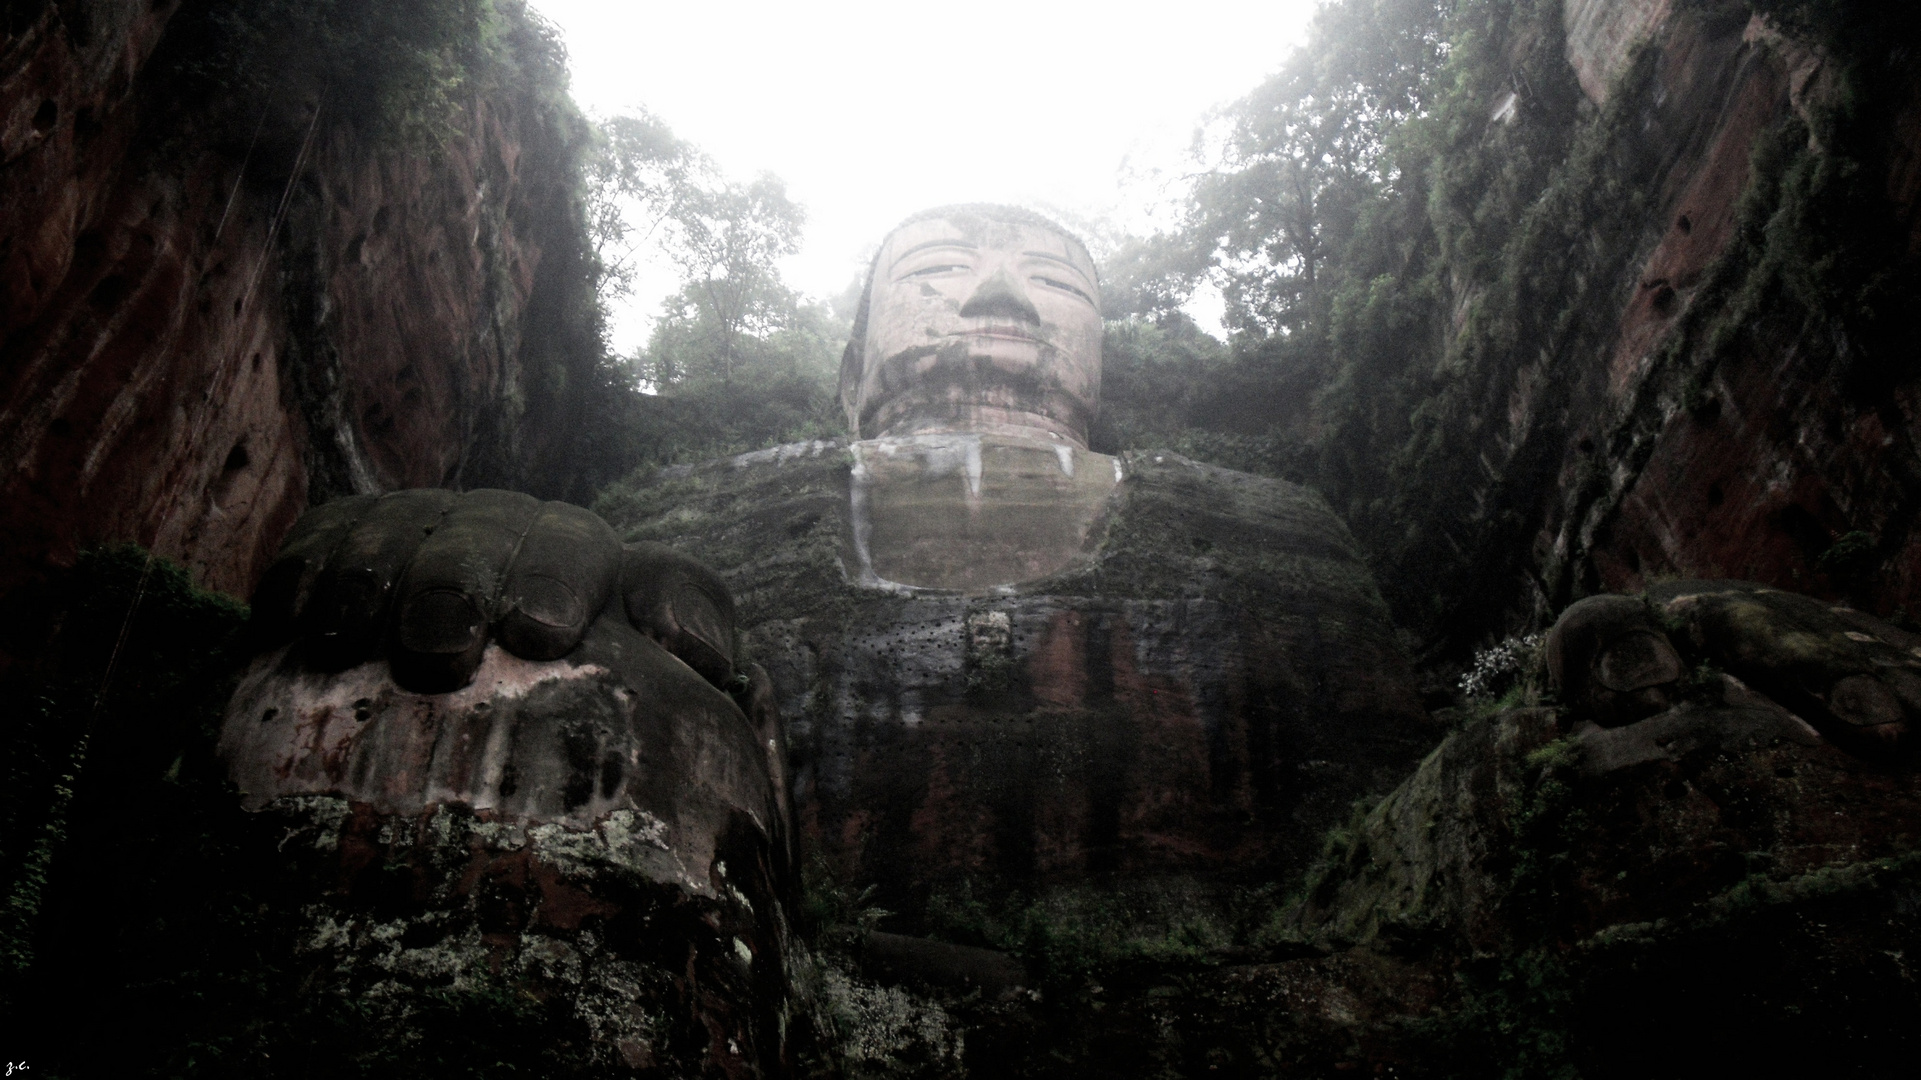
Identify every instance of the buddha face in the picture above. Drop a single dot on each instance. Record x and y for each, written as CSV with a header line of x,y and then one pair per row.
x,y
976,324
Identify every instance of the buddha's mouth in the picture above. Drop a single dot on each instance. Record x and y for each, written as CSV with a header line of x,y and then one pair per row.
x,y
1000,331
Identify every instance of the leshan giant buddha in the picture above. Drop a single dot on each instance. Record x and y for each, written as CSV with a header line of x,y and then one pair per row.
x,y
502,748
975,356
1009,664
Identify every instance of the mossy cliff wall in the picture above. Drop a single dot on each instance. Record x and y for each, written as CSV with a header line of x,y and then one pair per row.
x,y
1634,304
1751,411
237,282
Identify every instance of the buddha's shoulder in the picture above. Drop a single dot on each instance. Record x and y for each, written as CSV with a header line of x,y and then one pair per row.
x,y
770,522
693,501
1183,528
774,523
1161,480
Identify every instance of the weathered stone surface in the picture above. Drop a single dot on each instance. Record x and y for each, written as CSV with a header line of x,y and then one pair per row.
x,y
1603,34
1677,387
1851,674
1769,457
1314,1016
971,513
1723,858
185,360
1202,695
1717,888
600,831
1612,661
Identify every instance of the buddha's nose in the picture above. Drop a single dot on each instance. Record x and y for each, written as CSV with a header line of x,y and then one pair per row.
x,y
1000,295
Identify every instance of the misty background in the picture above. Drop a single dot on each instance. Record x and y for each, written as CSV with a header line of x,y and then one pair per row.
x,y
868,112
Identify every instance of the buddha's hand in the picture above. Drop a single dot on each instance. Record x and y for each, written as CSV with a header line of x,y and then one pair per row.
x,y
1848,673
427,578
426,649
1618,659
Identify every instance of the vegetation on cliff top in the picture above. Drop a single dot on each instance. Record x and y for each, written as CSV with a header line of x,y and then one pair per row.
x,y
737,360
1421,204
1425,233
398,72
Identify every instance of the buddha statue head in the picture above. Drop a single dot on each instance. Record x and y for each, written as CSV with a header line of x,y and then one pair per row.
x,y
976,318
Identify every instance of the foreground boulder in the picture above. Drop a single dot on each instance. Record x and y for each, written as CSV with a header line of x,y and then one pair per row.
x,y
599,831
1724,885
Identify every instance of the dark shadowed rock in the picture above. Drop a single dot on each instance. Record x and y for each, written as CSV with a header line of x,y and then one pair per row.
x,y
900,958
1611,660
1721,877
195,342
1853,675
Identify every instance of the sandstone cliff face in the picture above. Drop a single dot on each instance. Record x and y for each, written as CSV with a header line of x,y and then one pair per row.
x,y
1719,887
1648,317
1754,452
1602,36
1731,428
199,334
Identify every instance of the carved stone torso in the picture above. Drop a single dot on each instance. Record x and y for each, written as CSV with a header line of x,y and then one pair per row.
x,y
1138,665
973,513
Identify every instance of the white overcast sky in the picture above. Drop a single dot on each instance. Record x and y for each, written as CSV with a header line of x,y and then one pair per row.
x,y
871,111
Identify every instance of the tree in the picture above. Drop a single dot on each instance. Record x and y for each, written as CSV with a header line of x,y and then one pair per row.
x,y
780,387
727,240
737,359
1295,162
651,194
640,178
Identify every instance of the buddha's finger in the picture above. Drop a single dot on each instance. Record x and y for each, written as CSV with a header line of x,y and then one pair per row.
x,y
346,619
448,597
560,578
679,602
280,601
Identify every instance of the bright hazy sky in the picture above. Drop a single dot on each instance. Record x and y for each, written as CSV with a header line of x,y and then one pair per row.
x,y
871,111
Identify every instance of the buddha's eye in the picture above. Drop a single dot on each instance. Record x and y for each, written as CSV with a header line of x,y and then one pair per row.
x,y
1056,283
934,271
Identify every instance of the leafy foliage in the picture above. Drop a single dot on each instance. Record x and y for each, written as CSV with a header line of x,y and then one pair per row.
x,y
737,360
397,71
637,177
780,388
1501,666
1168,386
746,390
1423,231
729,236
1299,159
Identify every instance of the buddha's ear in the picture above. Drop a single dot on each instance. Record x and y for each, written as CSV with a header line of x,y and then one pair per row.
x,y
850,370
853,359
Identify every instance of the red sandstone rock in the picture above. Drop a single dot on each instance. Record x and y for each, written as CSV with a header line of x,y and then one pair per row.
x,y
182,369
1774,459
